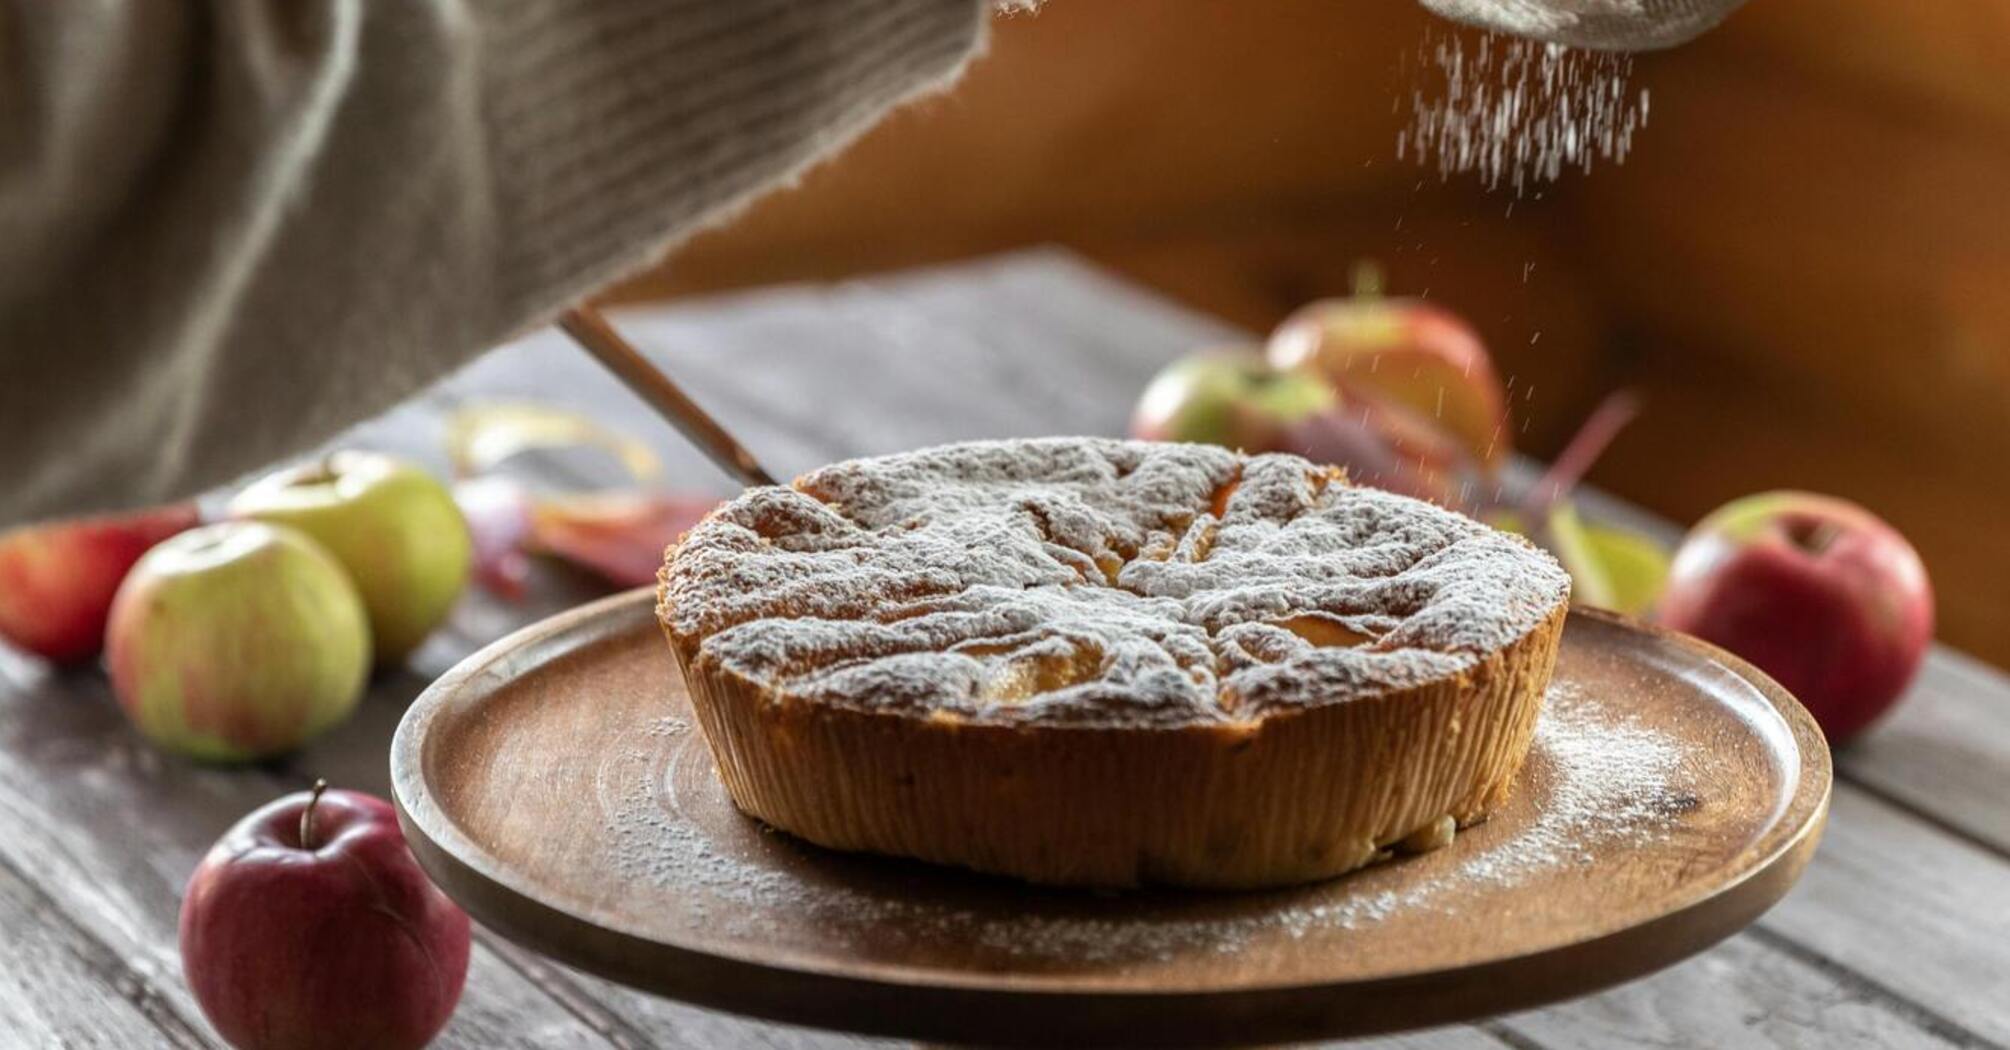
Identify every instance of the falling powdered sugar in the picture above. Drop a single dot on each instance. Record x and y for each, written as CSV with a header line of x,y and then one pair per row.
x,y
1596,779
1520,111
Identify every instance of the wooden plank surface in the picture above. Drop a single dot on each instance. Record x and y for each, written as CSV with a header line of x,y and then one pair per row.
x,y
109,828
1745,993
1896,938
1917,914
63,983
1945,752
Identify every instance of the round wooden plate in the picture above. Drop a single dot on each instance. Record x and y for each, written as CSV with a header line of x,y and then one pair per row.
x,y
556,785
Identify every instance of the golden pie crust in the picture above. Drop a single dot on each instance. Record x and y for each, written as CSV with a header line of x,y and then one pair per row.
x,y
1093,662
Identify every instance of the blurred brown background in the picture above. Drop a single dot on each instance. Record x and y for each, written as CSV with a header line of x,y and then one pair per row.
x,y
1805,264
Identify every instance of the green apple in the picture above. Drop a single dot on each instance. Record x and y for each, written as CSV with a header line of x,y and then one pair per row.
x,y
237,641
1229,398
392,525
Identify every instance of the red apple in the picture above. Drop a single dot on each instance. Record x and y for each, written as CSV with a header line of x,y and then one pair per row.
x,y
1402,355
57,580
309,925
1817,591
1228,398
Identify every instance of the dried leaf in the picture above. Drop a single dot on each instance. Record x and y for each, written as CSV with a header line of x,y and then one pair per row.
x,y
619,536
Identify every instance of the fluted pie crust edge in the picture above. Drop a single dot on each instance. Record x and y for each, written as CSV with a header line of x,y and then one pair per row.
x,y
1294,796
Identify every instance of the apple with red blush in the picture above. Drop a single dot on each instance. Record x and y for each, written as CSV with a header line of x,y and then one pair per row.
x,y
309,925
57,579
1230,398
237,641
1402,359
1388,450
1818,592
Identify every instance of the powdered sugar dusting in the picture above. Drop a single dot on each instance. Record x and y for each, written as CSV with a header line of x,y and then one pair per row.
x,y
1089,580
1595,778
1520,112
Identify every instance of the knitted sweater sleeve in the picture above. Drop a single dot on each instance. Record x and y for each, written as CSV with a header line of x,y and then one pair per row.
x,y
230,228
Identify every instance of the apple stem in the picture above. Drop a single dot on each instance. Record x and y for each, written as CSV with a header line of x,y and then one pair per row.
x,y
307,815
1577,457
319,471
1816,539
1368,283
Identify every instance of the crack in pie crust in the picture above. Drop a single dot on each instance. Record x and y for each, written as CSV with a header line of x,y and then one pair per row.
x,y
1097,662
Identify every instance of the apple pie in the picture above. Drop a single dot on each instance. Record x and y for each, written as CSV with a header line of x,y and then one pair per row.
x,y
1096,662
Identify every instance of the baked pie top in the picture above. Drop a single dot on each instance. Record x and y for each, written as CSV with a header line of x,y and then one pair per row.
x,y
1088,581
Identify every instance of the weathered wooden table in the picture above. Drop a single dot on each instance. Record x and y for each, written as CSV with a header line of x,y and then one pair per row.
x,y
1899,934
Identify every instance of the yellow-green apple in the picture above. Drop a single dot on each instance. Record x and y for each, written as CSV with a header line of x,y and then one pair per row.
x,y
237,641
57,579
1403,355
310,926
391,524
1228,398
1818,592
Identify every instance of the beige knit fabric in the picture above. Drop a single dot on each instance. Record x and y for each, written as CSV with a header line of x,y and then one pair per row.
x,y
230,228
1608,25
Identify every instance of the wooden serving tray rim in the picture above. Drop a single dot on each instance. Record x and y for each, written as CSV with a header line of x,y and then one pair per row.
x,y
1764,868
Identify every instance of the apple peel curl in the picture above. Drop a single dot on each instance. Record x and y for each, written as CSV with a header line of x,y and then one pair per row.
x,y
618,534
482,437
